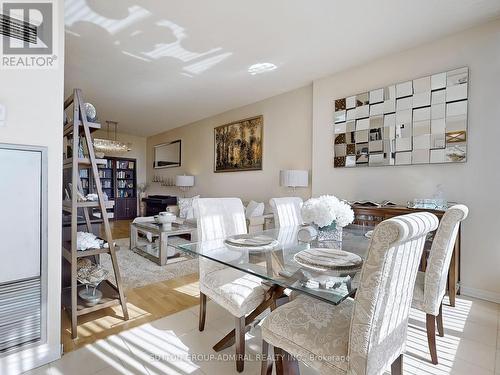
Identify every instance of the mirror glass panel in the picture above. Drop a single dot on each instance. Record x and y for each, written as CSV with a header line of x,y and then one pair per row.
x,y
419,121
167,155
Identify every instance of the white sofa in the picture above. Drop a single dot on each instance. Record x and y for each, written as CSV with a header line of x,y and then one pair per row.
x,y
254,224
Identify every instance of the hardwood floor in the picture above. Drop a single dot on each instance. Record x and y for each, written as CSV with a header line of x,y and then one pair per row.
x,y
119,228
145,304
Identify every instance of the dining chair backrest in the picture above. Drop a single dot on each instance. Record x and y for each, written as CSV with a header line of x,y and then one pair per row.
x,y
440,257
384,295
286,211
287,238
218,218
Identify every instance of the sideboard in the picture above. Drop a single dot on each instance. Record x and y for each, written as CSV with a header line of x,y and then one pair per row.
x,y
371,216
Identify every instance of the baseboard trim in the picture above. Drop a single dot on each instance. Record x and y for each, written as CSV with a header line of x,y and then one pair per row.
x,y
479,293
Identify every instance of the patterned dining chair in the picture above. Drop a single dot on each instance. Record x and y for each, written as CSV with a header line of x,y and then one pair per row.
x,y
366,334
286,211
236,291
430,286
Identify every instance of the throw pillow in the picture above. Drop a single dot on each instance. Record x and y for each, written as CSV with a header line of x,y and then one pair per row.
x,y
254,209
186,210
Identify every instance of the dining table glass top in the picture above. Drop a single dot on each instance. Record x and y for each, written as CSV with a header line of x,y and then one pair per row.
x,y
277,263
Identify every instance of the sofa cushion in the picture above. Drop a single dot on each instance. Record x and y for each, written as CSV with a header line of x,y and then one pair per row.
x,y
254,209
186,210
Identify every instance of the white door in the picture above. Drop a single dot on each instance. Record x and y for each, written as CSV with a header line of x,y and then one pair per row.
x,y
20,214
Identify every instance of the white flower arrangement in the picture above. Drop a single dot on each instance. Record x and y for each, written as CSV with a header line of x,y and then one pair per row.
x,y
326,210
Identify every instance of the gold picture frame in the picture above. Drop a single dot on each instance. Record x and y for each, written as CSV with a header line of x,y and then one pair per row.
x,y
238,146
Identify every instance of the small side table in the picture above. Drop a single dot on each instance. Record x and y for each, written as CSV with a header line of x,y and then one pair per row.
x,y
161,231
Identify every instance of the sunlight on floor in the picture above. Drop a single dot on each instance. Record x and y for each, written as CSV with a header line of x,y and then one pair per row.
x,y
95,326
191,289
461,350
161,351
173,345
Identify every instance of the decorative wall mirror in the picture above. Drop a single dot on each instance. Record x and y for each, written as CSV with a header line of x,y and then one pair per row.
x,y
167,155
423,121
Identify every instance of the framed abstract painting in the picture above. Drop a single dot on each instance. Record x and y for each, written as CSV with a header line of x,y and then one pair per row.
x,y
238,145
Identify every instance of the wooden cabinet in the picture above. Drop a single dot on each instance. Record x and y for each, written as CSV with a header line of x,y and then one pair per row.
x,y
125,208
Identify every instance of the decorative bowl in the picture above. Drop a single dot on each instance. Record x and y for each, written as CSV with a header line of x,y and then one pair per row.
x,y
165,218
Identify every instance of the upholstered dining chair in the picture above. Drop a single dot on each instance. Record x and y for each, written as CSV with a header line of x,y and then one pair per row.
x,y
236,291
364,335
430,286
286,211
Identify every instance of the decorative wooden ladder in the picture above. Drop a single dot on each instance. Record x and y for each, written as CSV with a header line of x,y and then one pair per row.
x,y
112,294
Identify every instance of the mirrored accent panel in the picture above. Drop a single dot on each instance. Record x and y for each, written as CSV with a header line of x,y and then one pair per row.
x,y
418,121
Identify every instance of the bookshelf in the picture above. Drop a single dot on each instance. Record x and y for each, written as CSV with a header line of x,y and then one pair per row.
x,y
126,189
125,179
119,182
81,173
107,177
84,177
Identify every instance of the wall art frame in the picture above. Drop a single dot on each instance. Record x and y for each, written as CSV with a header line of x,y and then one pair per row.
x,y
238,146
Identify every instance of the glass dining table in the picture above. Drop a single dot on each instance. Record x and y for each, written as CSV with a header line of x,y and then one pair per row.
x,y
277,263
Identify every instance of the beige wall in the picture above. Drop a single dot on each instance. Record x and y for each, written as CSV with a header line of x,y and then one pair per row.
x,y
475,183
138,150
287,145
33,99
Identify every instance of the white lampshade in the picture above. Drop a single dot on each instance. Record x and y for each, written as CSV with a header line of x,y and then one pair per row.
x,y
184,181
294,178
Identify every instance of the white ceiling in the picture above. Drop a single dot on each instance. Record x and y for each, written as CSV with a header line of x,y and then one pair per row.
x,y
155,65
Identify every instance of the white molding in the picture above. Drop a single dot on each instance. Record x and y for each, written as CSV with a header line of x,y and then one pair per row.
x,y
480,293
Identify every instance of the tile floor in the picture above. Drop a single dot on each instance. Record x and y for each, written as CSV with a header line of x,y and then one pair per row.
x,y
471,346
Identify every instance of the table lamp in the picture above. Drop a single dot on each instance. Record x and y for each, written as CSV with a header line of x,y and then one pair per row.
x,y
294,178
184,182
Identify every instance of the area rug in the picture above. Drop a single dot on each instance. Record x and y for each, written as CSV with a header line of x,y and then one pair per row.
x,y
137,271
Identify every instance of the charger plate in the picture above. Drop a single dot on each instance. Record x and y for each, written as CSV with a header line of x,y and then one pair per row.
x,y
249,240
328,259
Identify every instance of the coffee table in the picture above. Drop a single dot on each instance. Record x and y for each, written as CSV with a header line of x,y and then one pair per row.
x,y
161,231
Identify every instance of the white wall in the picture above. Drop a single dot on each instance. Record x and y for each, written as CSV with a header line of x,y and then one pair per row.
x,y
34,117
475,183
287,145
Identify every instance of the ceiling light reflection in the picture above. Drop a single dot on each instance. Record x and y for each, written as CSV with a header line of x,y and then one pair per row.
x,y
261,68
